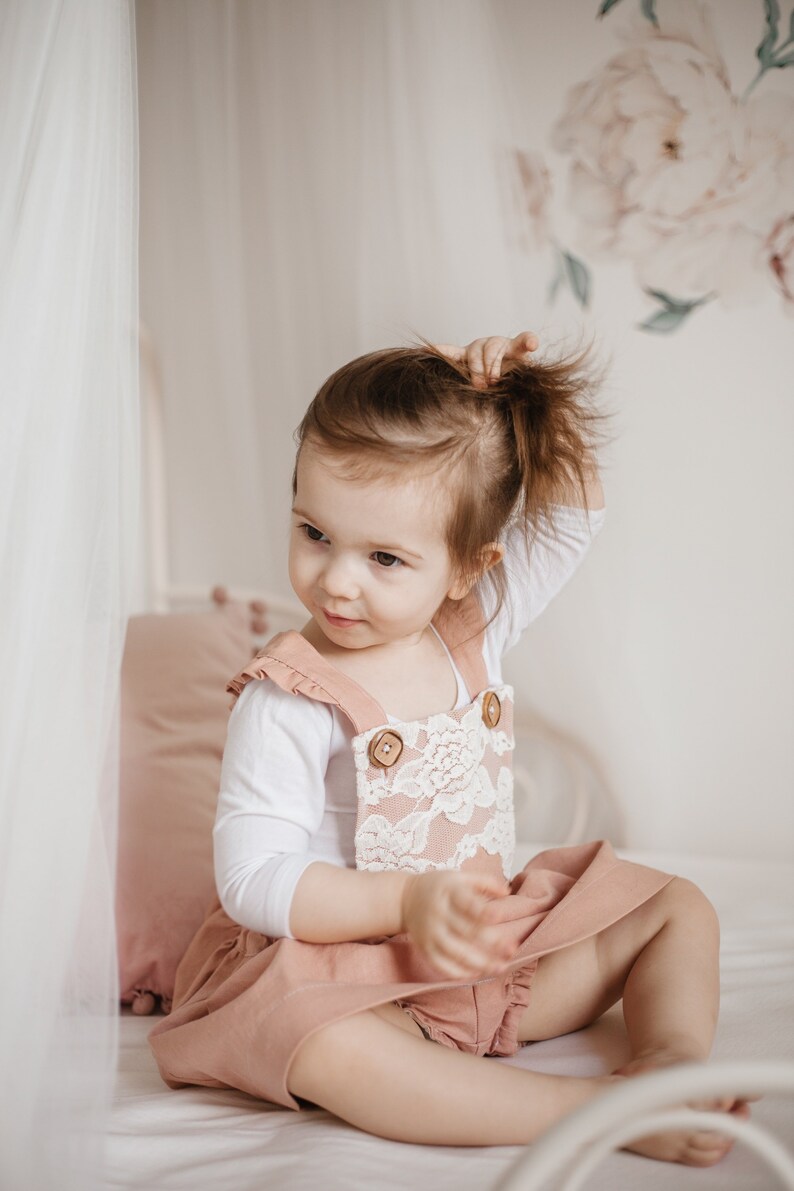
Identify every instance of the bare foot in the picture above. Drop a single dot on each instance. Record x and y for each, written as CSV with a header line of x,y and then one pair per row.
x,y
694,1148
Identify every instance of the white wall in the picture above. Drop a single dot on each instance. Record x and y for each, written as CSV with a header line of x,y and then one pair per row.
x,y
670,653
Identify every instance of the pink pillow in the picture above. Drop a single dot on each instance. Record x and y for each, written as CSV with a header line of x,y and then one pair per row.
x,y
174,711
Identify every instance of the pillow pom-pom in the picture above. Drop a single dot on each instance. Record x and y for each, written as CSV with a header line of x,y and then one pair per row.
x,y
258,617
143,1002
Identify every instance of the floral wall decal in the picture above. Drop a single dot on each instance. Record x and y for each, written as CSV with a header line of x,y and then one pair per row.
x,y
767,54
534,199
648,9
672,171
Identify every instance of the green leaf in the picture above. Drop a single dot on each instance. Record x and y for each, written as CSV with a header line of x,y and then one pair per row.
x,y
665,321
677,304
649,11
605,7
664,298
786,60
556,281
578,277
772,13
791,27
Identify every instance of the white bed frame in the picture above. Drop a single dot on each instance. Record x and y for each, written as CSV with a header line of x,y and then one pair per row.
x,y
566,1155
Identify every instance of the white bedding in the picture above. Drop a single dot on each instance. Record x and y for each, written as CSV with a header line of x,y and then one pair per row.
x,y
206,1140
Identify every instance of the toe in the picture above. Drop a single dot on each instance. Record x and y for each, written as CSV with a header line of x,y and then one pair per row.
x,y
706,1149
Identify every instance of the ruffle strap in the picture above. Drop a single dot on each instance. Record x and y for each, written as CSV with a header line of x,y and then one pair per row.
x,y
295,665
264,665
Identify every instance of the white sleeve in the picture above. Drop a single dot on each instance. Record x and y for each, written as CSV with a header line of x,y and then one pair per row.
x,y
271,802
536,574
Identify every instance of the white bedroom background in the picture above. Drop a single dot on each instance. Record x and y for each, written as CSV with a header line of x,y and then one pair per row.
x,y
319,179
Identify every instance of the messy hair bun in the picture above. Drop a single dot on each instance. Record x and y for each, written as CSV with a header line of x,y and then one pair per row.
x,y
555,430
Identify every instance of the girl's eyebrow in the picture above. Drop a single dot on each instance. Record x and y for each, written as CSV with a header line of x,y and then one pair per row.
x,y
370,545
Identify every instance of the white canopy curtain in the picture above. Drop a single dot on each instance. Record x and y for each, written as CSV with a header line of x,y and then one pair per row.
x,y
68,512
318,179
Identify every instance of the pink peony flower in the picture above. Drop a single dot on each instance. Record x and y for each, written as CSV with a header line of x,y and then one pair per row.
x,y
534,185
780,247
670,170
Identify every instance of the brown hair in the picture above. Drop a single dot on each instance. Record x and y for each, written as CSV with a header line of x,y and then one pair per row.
x,y
515,449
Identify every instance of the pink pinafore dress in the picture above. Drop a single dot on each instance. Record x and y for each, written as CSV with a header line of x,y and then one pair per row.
x,y
434,793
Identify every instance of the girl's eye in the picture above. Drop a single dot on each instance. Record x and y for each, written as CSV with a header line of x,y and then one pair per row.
x,y
387,560
382,557
315,535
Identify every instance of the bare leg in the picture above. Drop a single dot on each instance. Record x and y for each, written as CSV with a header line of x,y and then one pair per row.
x,y
664,960
370,1071
374,1070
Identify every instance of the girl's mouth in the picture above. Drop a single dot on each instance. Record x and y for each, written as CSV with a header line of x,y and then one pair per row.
x,y
339,622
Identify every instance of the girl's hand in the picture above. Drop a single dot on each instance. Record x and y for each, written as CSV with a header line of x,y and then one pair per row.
x,y
483,357
446,914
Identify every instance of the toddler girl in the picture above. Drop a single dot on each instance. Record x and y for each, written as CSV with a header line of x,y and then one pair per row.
x,y
370,943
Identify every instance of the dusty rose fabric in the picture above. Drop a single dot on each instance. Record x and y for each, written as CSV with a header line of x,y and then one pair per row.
x,y
243,1002
174,712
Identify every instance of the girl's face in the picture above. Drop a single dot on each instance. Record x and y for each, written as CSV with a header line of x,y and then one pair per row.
x,y
368,559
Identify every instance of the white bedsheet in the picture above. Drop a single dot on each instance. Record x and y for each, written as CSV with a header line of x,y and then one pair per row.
x,y
206,1140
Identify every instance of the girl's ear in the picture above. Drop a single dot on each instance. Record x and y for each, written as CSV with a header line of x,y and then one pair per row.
x,y
490,555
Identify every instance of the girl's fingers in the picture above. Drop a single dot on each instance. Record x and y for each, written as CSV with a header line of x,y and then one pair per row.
x,y
525,343
489,939
471,355
473,902
463,959
451,350
491,887
496,349
492,356
477,363
465,926
484,356
473,929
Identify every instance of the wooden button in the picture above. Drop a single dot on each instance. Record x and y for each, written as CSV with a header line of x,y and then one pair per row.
x,y
385,748
491,709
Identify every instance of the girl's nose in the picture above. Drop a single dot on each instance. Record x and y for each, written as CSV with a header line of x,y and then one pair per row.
x,y
338,580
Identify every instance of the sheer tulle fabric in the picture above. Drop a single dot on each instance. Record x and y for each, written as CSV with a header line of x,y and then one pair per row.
x,y
319,180
68,513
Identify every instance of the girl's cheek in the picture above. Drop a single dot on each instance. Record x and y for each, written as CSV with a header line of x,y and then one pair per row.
x,y
296,566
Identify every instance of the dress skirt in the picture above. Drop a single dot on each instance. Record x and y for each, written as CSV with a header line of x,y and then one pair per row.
x,y
243,1003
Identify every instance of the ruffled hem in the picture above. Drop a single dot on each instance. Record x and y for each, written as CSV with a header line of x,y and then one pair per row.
x,y
296,666
264,665
505,1040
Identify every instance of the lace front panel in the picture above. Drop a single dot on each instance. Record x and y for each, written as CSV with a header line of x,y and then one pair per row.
x,y
447,802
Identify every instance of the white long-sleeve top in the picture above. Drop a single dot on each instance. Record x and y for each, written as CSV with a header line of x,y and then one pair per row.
x,y
288,787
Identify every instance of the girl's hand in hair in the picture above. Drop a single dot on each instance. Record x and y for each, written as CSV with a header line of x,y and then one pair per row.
x,y
446,913
483,357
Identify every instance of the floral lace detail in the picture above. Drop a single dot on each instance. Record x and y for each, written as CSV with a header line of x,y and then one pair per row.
x,y
449,798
